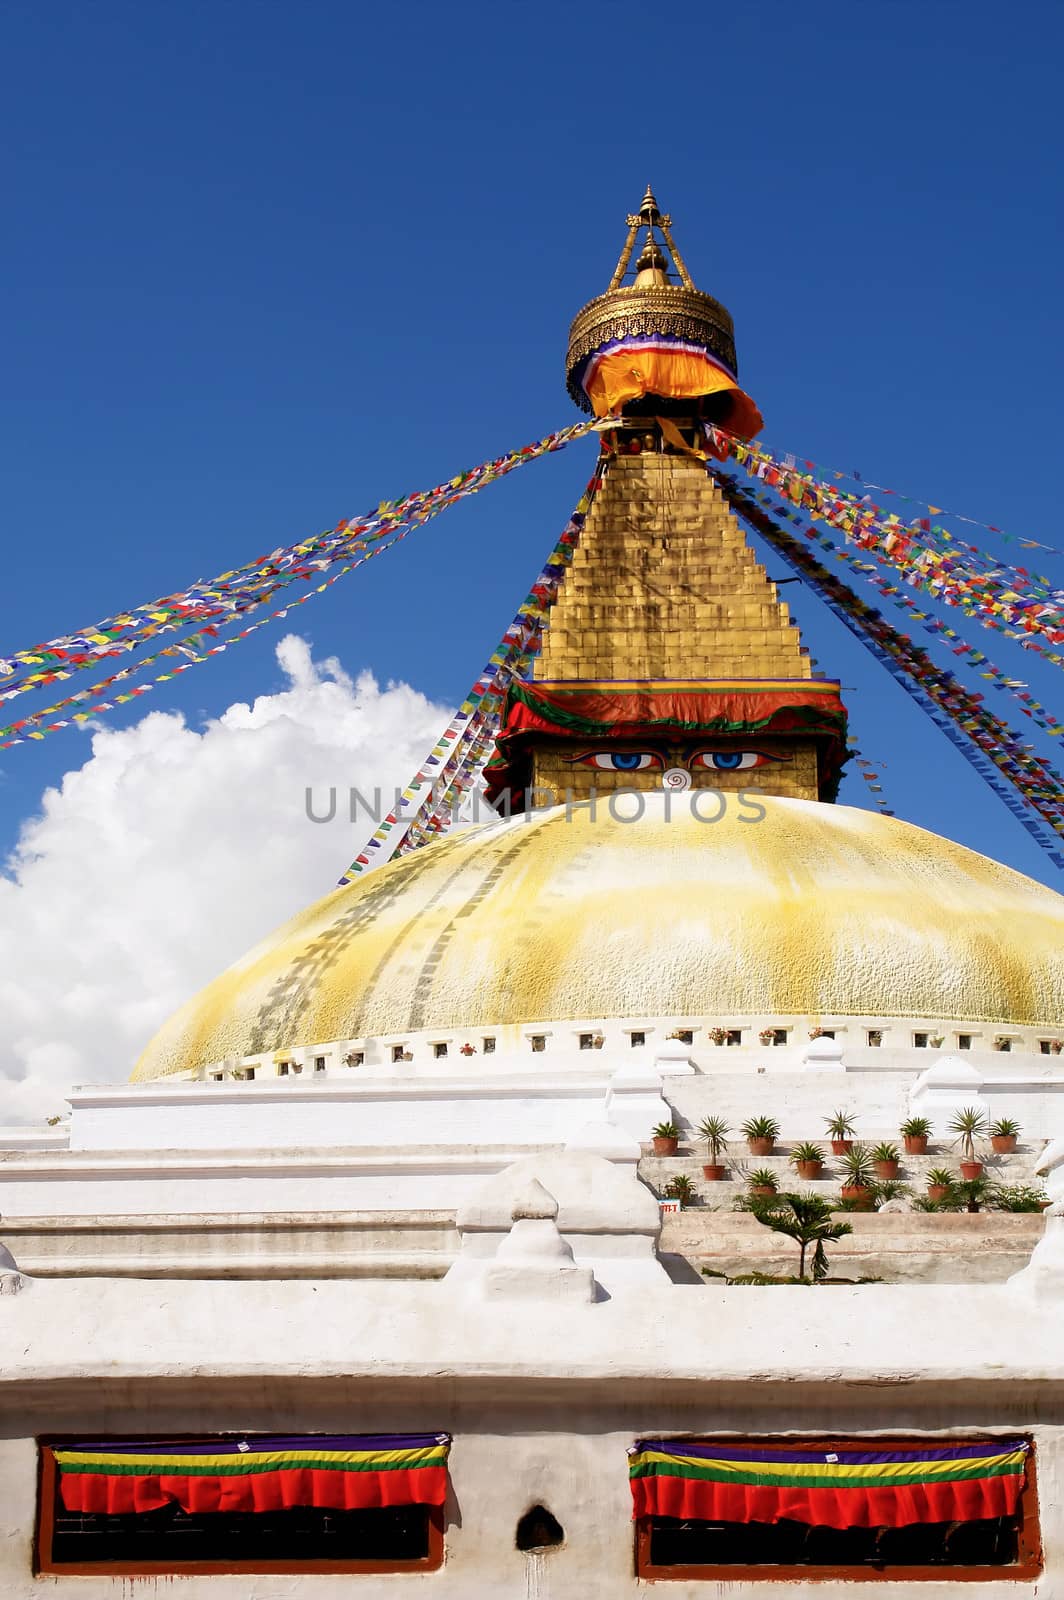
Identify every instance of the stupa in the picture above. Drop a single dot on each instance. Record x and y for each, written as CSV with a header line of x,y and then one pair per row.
x,y
366,1272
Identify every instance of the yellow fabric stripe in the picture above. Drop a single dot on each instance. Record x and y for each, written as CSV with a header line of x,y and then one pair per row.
x,y
845,1473
744,685
265,1458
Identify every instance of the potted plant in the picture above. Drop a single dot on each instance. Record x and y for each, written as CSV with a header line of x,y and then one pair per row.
x,y
714,1130
762,1183
971,1192
467,1049
766,1036
760,1134
597,1042
816,1033
915,1131
841,1129
682,1189
808,1159
857,1178
718,1035
1003,1135
664,1139
1056,1046
885,1160
940,1183
969,1124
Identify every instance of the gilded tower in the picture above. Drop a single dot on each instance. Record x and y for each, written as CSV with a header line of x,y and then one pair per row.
x,y
669,660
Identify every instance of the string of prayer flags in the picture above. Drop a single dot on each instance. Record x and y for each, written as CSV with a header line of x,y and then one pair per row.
x,y
1012,770
233,593
448,773
228,597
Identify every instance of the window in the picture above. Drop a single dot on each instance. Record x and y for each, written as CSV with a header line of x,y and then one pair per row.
x,y
216,1077
1045,1046
779,1036
637,1039
735,1036
587,1041
964,1041
87,1523
488,1045
875,1037
920,1041
685,1035
735,1538
398,1052
827,1033
357,1058
1004,1045
439,1051
282,1069
538,1041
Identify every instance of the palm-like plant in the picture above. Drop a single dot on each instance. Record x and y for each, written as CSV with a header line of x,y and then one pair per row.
x,y
969,1125
807,1154
857,1168
763,1178
840,1125
760,1128
682,1189
714,1130
807,1220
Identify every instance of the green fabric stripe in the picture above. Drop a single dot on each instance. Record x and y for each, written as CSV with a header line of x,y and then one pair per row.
x,y
241,1469
772,1480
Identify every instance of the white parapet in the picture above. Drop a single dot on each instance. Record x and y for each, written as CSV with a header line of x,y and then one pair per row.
x,y
951,1085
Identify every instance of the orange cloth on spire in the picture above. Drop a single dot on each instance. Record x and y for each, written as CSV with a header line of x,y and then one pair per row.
x,y
628,374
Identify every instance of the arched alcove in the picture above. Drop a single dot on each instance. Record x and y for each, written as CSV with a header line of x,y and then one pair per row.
x,y
538,1529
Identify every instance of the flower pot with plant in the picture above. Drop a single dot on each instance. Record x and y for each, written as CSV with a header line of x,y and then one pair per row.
x,y
682,1189
841,1129
940,1181
762,1183
1003,1135
718,1035
766,1036
664,1139
915,1131
807,1159
467,1049
760,1134
714,1130
885,1159
970,1124
857,1178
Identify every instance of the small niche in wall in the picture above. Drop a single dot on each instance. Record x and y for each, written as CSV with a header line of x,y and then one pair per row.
x,y
539,1530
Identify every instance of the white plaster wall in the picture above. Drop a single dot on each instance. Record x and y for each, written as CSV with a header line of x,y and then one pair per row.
x,y
293,1114
542,1401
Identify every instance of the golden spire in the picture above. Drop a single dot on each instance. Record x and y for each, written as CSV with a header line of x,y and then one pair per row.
x,y
655,303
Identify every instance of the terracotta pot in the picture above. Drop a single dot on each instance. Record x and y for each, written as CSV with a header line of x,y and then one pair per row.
x,y
971,1169
664,1147
937,1191
860,1194
809,1169
1003,1143
763,1190
841,1147
761,1147
915,1144
886,1169
713,1173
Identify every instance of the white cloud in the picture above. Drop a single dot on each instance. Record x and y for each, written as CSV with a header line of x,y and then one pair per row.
x,y
170,852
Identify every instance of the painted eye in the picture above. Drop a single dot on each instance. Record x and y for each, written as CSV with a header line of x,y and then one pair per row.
x,y
732,760
621,760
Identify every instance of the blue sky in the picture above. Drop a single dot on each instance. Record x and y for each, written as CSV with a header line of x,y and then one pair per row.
x,y
266,264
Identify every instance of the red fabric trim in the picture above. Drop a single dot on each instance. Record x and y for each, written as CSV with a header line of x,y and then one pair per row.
x,y
637,710
873,1507
123,1494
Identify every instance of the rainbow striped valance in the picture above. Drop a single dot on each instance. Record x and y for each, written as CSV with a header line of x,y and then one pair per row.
x,y
260,1472
833,1487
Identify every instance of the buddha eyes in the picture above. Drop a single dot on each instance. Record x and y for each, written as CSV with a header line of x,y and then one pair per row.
x,y
732,760
639,760
621,760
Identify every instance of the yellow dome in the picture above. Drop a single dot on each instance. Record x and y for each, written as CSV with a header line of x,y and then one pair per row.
x,y
816,909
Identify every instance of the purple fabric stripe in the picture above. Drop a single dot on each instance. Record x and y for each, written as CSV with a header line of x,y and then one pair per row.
x,y
272,1441
856,1458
